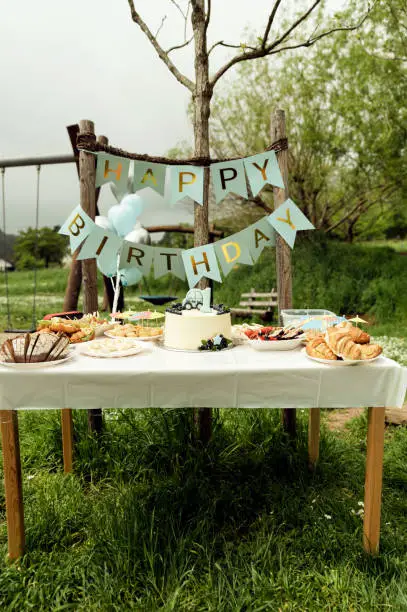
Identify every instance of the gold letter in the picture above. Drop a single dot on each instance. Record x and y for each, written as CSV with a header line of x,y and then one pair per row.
x,y
137,256
168,256
117,172
234,245
102,244
181,181
258,235
262,170
149,176
75,223
288,220
196,263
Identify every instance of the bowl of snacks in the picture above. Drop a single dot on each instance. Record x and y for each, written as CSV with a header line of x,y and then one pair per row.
x,y
275,338
139,332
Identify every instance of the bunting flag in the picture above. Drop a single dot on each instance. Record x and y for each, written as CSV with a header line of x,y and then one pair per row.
x,y
233,250
110,168
151,175
287,219
78,226
258,236
187,181
168,261
199,262
262,169
135,260
105,245
229,177
139,256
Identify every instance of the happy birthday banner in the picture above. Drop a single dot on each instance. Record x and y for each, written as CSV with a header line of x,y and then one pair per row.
x,y
117,252
188,180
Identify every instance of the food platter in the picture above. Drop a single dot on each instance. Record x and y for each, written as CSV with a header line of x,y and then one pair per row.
x,y
35,365
339,362
275,345
106,349
144,338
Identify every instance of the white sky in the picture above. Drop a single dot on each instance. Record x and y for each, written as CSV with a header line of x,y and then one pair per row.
x,y
85,59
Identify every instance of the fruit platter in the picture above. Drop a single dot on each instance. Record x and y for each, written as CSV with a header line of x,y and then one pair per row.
x,y
274,338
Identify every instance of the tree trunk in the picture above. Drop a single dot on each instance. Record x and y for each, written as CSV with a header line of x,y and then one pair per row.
x,y
202,100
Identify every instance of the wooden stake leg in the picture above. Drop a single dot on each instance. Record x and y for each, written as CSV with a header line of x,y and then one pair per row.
x,y
313,437
67,438
373,480
203,421
12,483
289,417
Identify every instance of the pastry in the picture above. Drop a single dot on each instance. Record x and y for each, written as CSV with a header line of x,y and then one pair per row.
x,y
369,351
357,335
341,343
317,347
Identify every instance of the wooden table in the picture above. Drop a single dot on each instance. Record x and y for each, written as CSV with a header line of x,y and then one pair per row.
x,y
237,378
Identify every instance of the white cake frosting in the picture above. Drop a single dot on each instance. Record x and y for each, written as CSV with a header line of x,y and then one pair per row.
x,y
186,330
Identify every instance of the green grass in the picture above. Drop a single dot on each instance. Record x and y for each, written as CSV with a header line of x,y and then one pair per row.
x,y
397,245
150,520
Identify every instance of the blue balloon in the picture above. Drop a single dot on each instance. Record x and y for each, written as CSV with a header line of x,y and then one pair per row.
x,y
134,201
122,217
130,276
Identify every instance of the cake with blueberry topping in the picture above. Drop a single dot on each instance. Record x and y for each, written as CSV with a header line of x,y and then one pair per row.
x,y
187,324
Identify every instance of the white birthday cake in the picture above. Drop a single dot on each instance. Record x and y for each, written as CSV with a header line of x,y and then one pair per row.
x,y
187,324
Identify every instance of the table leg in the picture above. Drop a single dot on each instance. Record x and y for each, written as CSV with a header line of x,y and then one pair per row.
x,y
67,438
12,483
373,480
313,437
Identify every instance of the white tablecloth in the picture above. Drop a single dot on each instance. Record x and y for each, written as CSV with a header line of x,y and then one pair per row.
x,y
240,377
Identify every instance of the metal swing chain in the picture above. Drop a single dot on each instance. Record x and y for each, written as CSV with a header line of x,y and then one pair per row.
x,y
37,212
3,197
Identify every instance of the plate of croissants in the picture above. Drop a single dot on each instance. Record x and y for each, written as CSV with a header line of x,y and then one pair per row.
x,y
342,345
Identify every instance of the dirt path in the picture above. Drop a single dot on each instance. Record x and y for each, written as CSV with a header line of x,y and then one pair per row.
x,y
337,419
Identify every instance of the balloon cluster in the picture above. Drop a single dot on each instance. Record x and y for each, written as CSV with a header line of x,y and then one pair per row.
x,y
119,218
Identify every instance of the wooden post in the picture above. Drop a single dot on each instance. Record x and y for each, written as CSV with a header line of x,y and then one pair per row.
x,y
313,437
12,483
283,251
87,178
73,287
67,438
373,480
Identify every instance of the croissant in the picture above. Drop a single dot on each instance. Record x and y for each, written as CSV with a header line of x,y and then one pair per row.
x,y
369,351
342,344
356,334
317,347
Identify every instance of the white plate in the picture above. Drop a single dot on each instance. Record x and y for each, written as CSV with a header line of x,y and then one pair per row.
x,y
37,365
90,351
151,338
275,345
338,362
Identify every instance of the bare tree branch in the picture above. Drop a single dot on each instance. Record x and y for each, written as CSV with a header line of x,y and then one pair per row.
x,y
160,26
270,23
223,44
272,48
208,15
179,8
184,44
184,80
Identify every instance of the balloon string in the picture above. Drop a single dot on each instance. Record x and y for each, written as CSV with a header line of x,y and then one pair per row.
x,y
117,288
